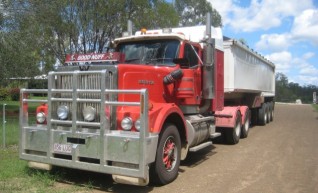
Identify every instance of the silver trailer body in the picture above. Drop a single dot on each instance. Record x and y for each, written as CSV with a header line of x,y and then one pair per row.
x,y
245,71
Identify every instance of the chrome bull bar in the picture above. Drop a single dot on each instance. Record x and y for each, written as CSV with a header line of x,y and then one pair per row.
x,y
112,151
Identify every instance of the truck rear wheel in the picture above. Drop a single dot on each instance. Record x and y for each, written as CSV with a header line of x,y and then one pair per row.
x,y
271,111
268,112
232,135
246,125
262,114
167,162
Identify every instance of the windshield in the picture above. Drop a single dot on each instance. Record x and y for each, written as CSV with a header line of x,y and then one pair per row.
x,y
152,52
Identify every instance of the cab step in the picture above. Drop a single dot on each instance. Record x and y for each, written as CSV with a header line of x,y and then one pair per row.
x,y
201,146
215,135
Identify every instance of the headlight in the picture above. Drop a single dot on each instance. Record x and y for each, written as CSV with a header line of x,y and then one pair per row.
x,y
126,123
137,125
62,112
89,113
40,117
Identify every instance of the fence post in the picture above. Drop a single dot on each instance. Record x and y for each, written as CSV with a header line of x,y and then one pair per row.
x,y
4,126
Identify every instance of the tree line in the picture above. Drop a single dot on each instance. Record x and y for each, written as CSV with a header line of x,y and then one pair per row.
x,y
37,33
289,91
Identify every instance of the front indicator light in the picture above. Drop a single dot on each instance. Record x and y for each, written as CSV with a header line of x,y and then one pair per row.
x,y
89,113
137,125
126,123
40,117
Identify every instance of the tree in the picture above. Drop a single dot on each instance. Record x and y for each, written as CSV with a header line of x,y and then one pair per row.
x,y
193,12
290,91
34,32
18,46
282,91
243,41
90,26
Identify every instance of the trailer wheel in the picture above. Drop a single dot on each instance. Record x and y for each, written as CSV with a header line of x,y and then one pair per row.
x,y
268,112
166,166
246,125
233,135
271,111
262,114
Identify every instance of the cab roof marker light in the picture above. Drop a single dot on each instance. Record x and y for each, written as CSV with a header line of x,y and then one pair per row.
x,y
143,31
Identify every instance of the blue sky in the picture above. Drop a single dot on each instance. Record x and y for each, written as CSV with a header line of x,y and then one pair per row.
x,y
284,31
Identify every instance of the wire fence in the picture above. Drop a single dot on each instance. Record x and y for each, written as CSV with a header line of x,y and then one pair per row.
x,y
9,131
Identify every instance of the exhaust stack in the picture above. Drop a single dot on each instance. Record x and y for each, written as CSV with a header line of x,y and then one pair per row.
x,y
208,66
130,27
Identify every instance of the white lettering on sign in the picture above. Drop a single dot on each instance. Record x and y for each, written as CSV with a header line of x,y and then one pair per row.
x,y
97,56
84,57
90,57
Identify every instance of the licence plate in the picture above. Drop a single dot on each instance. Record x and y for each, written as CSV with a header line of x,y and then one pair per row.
x,y
62,148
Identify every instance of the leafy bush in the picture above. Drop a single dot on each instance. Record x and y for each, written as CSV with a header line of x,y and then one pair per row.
x,y
15,94
37,84
4,94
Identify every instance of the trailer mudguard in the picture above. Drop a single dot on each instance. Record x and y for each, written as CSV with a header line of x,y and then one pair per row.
x,y
243,110
226,117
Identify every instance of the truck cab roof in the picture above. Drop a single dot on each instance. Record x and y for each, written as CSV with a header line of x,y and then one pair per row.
x,y
193,34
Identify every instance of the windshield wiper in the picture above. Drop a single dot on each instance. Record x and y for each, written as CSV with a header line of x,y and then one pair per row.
x,y
156,60
132,60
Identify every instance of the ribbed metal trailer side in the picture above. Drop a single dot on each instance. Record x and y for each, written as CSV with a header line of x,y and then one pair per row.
x,y
245,71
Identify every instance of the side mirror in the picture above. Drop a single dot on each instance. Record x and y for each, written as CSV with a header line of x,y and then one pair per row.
x,y
183,62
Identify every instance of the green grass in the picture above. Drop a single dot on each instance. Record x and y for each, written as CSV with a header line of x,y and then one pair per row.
x,y
15,175
315,107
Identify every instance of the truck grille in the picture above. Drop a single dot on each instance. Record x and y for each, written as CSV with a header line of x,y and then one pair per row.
x,y
67,82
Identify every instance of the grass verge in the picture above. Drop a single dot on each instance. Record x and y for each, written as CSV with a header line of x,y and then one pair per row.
x,y
15,175
315,107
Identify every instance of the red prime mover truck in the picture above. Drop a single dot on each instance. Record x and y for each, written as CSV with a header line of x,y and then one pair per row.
x,y
136,112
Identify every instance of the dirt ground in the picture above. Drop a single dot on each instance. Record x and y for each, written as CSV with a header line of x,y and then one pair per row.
x,y
279,157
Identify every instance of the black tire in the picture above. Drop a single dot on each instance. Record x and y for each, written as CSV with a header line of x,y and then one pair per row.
x,y
167,162
271,111
246,126
254,116
268,105
232,135
262,114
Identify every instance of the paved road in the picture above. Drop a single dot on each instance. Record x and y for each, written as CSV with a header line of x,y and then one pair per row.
x,y
279,157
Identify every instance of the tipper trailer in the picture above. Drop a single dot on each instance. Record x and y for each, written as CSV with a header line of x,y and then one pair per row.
x,y
136,112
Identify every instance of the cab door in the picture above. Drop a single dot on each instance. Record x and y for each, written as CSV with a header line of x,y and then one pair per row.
x,y
189,88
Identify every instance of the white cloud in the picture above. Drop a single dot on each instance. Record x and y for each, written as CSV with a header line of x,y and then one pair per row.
x,y
304,29
308,55
309,70
306,80
259,15
305,26
282,60
292,28
304,67
274,42
285,62
224,8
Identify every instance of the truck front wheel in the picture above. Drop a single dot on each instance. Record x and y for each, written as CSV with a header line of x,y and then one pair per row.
x,y
166,166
